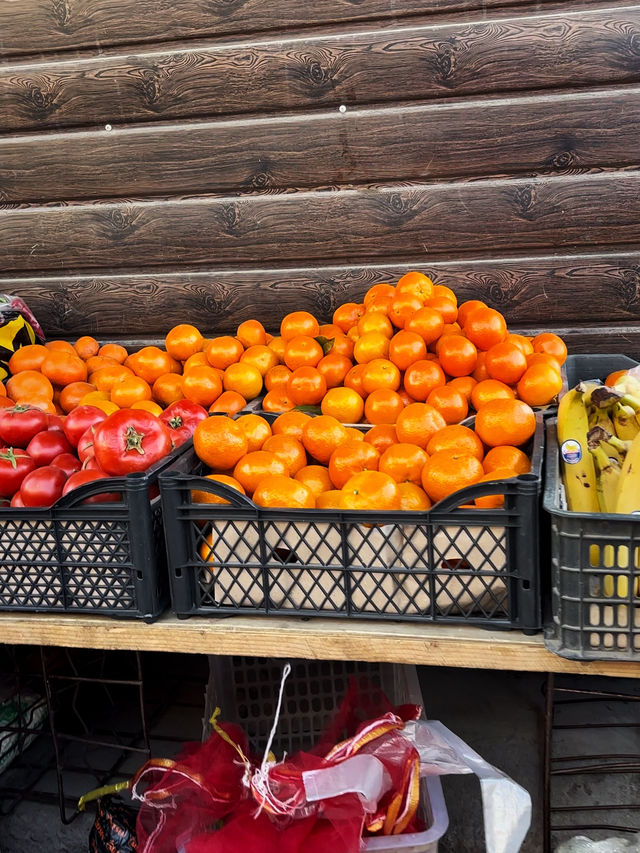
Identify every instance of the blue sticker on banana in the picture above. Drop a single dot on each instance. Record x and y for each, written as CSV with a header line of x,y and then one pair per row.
x,y
571,451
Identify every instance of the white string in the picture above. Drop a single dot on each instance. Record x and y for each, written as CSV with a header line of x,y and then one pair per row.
x,y
260,780
285,674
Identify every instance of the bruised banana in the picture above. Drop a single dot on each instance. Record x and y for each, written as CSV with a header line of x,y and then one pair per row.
x,y
602,418
628,500
586,389
604,397
578,466
614,447
608,473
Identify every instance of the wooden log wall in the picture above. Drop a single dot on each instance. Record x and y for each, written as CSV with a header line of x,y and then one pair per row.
x,y
208,161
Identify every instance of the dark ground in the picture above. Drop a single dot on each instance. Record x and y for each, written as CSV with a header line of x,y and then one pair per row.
x,y
500,714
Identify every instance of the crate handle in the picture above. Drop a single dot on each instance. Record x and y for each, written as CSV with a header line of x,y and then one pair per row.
x,y
480,490
234,497
108,485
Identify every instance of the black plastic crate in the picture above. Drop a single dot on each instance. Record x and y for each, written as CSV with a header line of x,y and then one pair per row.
x,y
106,558
595,557
597,366
449,564
595,565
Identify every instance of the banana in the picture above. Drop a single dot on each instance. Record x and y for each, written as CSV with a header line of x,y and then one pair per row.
x,y
624,421
628,499
614,447
586,389
607,478
632,402
628,385
617,451
579,472
604,397
602,418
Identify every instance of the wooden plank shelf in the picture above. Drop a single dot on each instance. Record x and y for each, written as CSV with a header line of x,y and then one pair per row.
x,y
461,646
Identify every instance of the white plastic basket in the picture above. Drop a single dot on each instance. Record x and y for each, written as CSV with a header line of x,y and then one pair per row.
x,y
246,691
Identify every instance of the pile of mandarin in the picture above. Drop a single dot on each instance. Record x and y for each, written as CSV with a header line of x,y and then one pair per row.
x,y
302,461
403,344
410,362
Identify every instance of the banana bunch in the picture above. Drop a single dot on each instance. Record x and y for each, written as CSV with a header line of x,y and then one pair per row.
x,y
599,437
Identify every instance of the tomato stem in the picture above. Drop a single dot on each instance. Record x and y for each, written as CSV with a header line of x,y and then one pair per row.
x,y
133,440
176,422
10,455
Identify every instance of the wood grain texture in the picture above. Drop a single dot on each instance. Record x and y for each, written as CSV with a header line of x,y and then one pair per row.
x,y
530,291
357,225
506,52
458,646
592,338
605,337
35,26
565,133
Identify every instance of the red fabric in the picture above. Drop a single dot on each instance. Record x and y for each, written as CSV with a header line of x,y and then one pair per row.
x,y
202,785
182,805
244,833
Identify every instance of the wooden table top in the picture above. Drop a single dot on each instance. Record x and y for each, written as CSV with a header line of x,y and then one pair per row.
x,y
384,641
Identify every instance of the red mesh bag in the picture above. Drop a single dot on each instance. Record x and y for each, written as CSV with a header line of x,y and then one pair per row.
x,y
244,832
190,794
267,808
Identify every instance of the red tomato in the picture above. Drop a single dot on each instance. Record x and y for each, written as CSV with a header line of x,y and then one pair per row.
x,y
43,486
45,446
14,467
182,418
19,425
131,440
85,444
91,464
67,462
16,500
55,422
79,420
81,478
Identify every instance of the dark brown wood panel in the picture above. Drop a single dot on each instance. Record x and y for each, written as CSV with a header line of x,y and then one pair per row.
x,y
561,133
357,225
507,52
605,337
34,26
531,291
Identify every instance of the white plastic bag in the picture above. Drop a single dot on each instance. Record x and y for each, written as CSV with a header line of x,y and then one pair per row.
x,y
506,805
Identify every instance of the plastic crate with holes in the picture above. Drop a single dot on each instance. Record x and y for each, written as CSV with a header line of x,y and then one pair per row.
x,y
246,690
104,558
595,557
449,564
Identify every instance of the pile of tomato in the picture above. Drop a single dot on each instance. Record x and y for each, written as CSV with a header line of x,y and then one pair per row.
x,y
46,456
